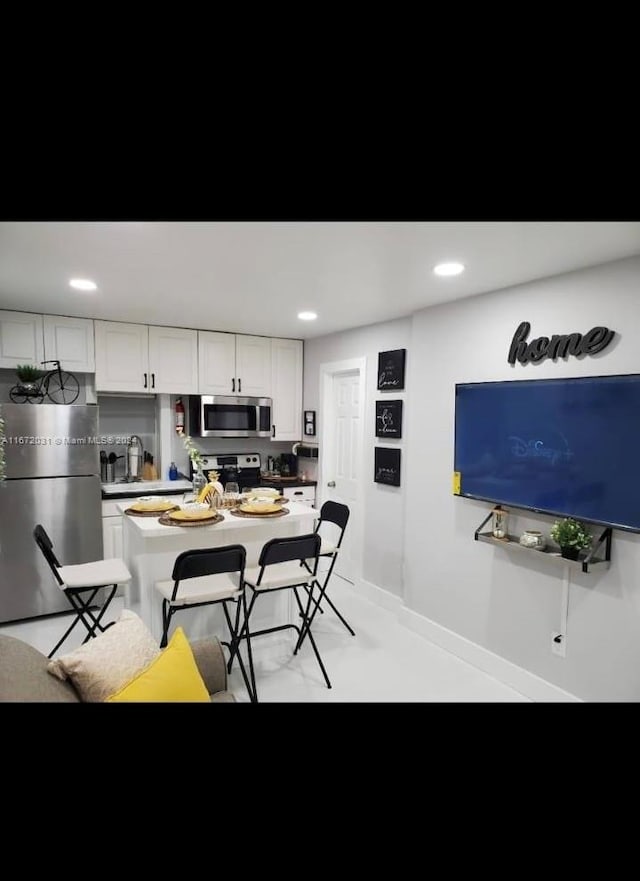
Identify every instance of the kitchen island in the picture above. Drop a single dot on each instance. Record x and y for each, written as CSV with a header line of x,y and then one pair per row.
x,y
150,550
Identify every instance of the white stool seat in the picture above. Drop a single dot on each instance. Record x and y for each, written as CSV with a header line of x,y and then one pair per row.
x,y
202,589
278,575
96,574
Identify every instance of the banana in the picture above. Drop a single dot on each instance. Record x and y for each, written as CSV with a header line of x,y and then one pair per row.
x,y
204,492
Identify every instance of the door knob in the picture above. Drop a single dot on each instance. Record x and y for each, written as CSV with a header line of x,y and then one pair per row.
x,y
331,483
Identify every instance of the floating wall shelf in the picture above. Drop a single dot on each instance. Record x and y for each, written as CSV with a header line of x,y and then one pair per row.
x,y
585,561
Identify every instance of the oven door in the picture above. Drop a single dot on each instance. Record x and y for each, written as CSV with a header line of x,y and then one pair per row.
x,y
226,416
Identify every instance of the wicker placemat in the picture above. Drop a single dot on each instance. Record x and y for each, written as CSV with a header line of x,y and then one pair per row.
x,y
237,513
133,513
165,521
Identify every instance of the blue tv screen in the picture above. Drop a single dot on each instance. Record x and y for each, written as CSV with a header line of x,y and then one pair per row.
x,y
568,447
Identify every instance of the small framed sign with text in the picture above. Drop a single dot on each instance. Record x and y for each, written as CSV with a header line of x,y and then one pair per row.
x,y
387,466
391,370
388,418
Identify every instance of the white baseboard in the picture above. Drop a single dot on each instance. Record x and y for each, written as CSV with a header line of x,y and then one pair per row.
x,y
378,595
528,684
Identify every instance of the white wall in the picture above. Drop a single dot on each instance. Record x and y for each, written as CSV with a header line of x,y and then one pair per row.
x,y
505,604
508,605
383,505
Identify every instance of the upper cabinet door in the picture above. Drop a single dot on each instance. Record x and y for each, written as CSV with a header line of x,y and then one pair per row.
x,y
21,339
217,363
253,366
122,357
70,341
173,360
287,389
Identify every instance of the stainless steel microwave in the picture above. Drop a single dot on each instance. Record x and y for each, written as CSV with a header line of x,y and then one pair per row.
x,y
227,416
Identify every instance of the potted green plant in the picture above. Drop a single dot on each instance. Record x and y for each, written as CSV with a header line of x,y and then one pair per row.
x,y
28,377
572,537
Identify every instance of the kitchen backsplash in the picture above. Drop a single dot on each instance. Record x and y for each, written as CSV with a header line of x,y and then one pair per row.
x,y
120,417
222,445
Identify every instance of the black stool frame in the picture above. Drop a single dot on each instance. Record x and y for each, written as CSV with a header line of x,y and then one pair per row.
x,y
331,512
213,561
282,550
79,604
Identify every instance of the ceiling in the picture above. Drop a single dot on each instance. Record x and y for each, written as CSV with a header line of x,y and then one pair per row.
x,y
254,277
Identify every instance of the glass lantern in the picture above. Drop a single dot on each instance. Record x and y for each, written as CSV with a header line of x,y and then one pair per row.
x,y
499,520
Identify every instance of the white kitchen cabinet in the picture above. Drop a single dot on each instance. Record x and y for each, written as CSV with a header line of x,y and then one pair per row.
x,y
216,363
253,366
286,389
112,536
21,339
139,358
173,360
234,364
306,495
122,357
70,341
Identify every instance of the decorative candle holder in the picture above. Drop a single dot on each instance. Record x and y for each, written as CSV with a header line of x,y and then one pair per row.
x,y
499,521
532,538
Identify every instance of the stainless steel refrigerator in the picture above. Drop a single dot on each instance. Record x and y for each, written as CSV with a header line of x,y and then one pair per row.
x,y
52,477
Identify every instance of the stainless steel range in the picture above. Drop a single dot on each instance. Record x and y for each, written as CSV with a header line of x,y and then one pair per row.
x,y
243,468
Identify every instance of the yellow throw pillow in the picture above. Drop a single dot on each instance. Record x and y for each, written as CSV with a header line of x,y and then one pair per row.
x,y
106,663
173,676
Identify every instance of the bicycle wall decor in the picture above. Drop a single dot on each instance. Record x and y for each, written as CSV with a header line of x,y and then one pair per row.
x,y
59,386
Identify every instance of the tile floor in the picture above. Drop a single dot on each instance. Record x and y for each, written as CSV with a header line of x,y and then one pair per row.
x,y
384,662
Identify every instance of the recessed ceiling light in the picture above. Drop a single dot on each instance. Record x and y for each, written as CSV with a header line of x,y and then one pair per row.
x,y
307,316
83,284
448,268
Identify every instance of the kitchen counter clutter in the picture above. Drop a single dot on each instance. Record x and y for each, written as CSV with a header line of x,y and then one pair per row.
x,y
145,488
150,550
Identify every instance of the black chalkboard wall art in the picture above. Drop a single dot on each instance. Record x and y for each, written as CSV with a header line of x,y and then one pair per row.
x,y
388,418
387,466
391,370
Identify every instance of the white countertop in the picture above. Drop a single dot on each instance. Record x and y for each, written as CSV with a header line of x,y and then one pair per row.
x,y
146,487
148,527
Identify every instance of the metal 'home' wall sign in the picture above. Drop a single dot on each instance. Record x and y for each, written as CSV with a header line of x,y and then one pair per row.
x,y
558,346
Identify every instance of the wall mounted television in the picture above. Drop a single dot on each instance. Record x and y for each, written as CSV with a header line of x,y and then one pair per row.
x,y
566,447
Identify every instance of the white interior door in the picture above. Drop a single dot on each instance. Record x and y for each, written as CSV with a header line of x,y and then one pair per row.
x,y
344,463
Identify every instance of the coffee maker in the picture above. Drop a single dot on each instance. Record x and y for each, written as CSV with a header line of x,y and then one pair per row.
x,y
289,465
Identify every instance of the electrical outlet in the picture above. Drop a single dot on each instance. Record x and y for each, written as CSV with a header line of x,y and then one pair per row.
x,y
558,643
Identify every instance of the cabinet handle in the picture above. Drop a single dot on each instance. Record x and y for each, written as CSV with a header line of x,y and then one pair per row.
x,y
233,384
153,380
145,380
239,385
298,492
273,431
331,483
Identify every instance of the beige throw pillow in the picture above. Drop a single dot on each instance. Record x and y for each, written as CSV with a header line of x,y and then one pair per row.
x,y
103,665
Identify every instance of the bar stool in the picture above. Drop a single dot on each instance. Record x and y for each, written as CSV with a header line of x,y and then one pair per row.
x,y
206,577
279,568
80,579
337,514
